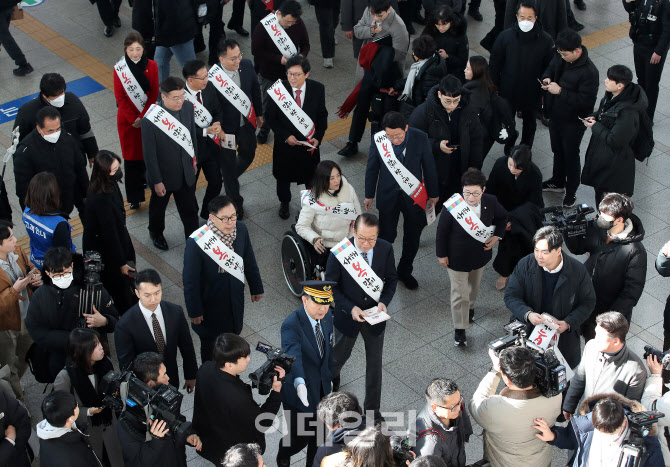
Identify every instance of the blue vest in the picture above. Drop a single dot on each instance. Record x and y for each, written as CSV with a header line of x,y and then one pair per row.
x,y
41,232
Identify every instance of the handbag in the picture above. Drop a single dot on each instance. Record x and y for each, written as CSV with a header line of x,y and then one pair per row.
x,y
17,14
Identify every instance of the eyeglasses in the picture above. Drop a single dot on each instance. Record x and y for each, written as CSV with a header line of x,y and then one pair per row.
x,y
226,219
201,79
290,74
475,194
369,241
451,409
395,138
176,98
235,58
64,275
379,15
563,54
447,101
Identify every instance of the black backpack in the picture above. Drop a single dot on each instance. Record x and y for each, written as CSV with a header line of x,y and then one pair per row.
x,y
498,115
643,143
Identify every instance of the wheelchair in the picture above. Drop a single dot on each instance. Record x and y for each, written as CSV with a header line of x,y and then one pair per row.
x,y
298,263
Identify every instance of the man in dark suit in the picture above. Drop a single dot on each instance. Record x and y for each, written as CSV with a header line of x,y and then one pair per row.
x,y
170,168
412,149
199,90
307,335
156,326
291,161
234,164
351,300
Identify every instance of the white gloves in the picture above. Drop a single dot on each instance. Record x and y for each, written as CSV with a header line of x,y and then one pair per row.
x,y
302,394
503,134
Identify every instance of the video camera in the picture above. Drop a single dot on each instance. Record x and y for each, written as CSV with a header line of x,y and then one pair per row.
x,y
639,423
143,403
90,293
662,357
401,450
550,374
264,376
571,222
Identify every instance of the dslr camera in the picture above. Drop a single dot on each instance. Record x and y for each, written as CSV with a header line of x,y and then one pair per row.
x,y
550,374
662,357
571,222
264,376
143,403
401,450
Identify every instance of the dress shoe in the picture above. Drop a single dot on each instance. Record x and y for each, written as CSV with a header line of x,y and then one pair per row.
x,y
109,31
135,205
544,120
284,212
262,136
580,5
351,149
576,26
410,282
159,241
23,70
240,30
459,338
475,14
117,22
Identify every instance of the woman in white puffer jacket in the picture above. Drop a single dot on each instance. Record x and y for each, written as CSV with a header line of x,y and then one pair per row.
x,y
320,223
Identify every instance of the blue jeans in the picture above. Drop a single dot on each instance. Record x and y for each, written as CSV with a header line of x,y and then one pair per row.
x,y
184,52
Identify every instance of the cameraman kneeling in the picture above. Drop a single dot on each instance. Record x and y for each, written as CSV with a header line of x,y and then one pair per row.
x,y
507,418
158,446
225,412
598,436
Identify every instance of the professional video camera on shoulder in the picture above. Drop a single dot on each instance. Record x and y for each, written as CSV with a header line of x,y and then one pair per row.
x,y
139,403
571,222
263,377
550,374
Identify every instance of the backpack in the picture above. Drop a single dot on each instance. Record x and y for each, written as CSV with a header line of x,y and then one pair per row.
x,y
37,359
498,115
643,143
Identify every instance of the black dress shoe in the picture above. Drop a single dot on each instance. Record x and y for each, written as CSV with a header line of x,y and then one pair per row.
x,y
240,30
284,212
159,241
580,5
262,136
576,26
109,31
475,14
117,22
23,70
351,149
410,282
135,205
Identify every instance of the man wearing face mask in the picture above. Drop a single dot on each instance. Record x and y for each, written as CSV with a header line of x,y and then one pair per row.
x,y
75,118
47,148
520,55
617,261
54,309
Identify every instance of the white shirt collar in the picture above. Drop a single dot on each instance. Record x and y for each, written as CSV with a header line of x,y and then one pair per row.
x,y
191,91
558,268
304,85
147,312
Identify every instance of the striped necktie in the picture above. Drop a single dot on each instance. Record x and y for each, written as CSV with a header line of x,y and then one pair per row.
x,y
320,340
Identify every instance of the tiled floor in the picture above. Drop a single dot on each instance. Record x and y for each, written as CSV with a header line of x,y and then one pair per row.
x,y
67,38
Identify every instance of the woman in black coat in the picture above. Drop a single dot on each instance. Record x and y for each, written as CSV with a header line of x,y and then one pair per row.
x,y
105,229
449,30
517,183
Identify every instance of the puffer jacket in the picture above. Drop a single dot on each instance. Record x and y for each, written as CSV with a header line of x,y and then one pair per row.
x,y
10,312
618,269
610,163
313,224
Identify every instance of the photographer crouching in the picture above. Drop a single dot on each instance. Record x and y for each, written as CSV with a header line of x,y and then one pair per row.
x,y
225,413
151,429
507,418
61,305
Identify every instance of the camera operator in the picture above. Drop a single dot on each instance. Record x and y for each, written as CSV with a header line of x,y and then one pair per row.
x,y
443,426
507,418
607,365
54,309
598,434
653,399
343,416
617,261
243,455
158,446
225,412
553,283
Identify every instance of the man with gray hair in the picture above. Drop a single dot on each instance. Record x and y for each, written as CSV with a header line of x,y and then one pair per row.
x,y
607,365
243,455
343,416
443,425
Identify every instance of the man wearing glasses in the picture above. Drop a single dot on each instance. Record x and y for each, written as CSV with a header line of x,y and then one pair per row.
x,y
508,418
215,296
169,145
351,300
443,425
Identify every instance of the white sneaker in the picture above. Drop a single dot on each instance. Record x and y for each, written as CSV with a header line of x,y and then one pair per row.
x,y
328,62
336,42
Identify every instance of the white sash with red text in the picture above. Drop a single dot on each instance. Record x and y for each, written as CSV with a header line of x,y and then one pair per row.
x,y
342,210
278,35
467,219
171,127
130,84
406,179
232,92
202,116
291,109
225,257
348,256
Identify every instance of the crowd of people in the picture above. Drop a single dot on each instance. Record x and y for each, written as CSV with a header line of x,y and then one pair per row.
x,y
433,124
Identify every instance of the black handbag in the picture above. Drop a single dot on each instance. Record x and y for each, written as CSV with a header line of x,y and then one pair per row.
x,y
38,361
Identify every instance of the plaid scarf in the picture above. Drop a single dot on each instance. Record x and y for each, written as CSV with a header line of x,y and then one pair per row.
x,y
228,239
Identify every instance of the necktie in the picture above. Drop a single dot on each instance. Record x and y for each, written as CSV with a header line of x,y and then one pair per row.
x,y
365,257
158,334
320,340
197,96
297,97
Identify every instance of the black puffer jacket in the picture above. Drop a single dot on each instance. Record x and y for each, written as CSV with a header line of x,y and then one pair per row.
x,y
610,163
174,21
518,60
455,43
579,88
552,14
618,268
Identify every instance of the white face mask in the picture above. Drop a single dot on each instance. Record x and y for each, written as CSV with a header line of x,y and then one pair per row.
x,y
62,282
59,101
52,138
526,26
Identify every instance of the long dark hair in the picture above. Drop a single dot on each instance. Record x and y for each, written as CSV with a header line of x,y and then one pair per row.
x,y
480,71
100,180
321,180
43,196
80,345
371,448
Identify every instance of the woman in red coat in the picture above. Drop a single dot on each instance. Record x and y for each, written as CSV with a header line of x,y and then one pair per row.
x,y
135,89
